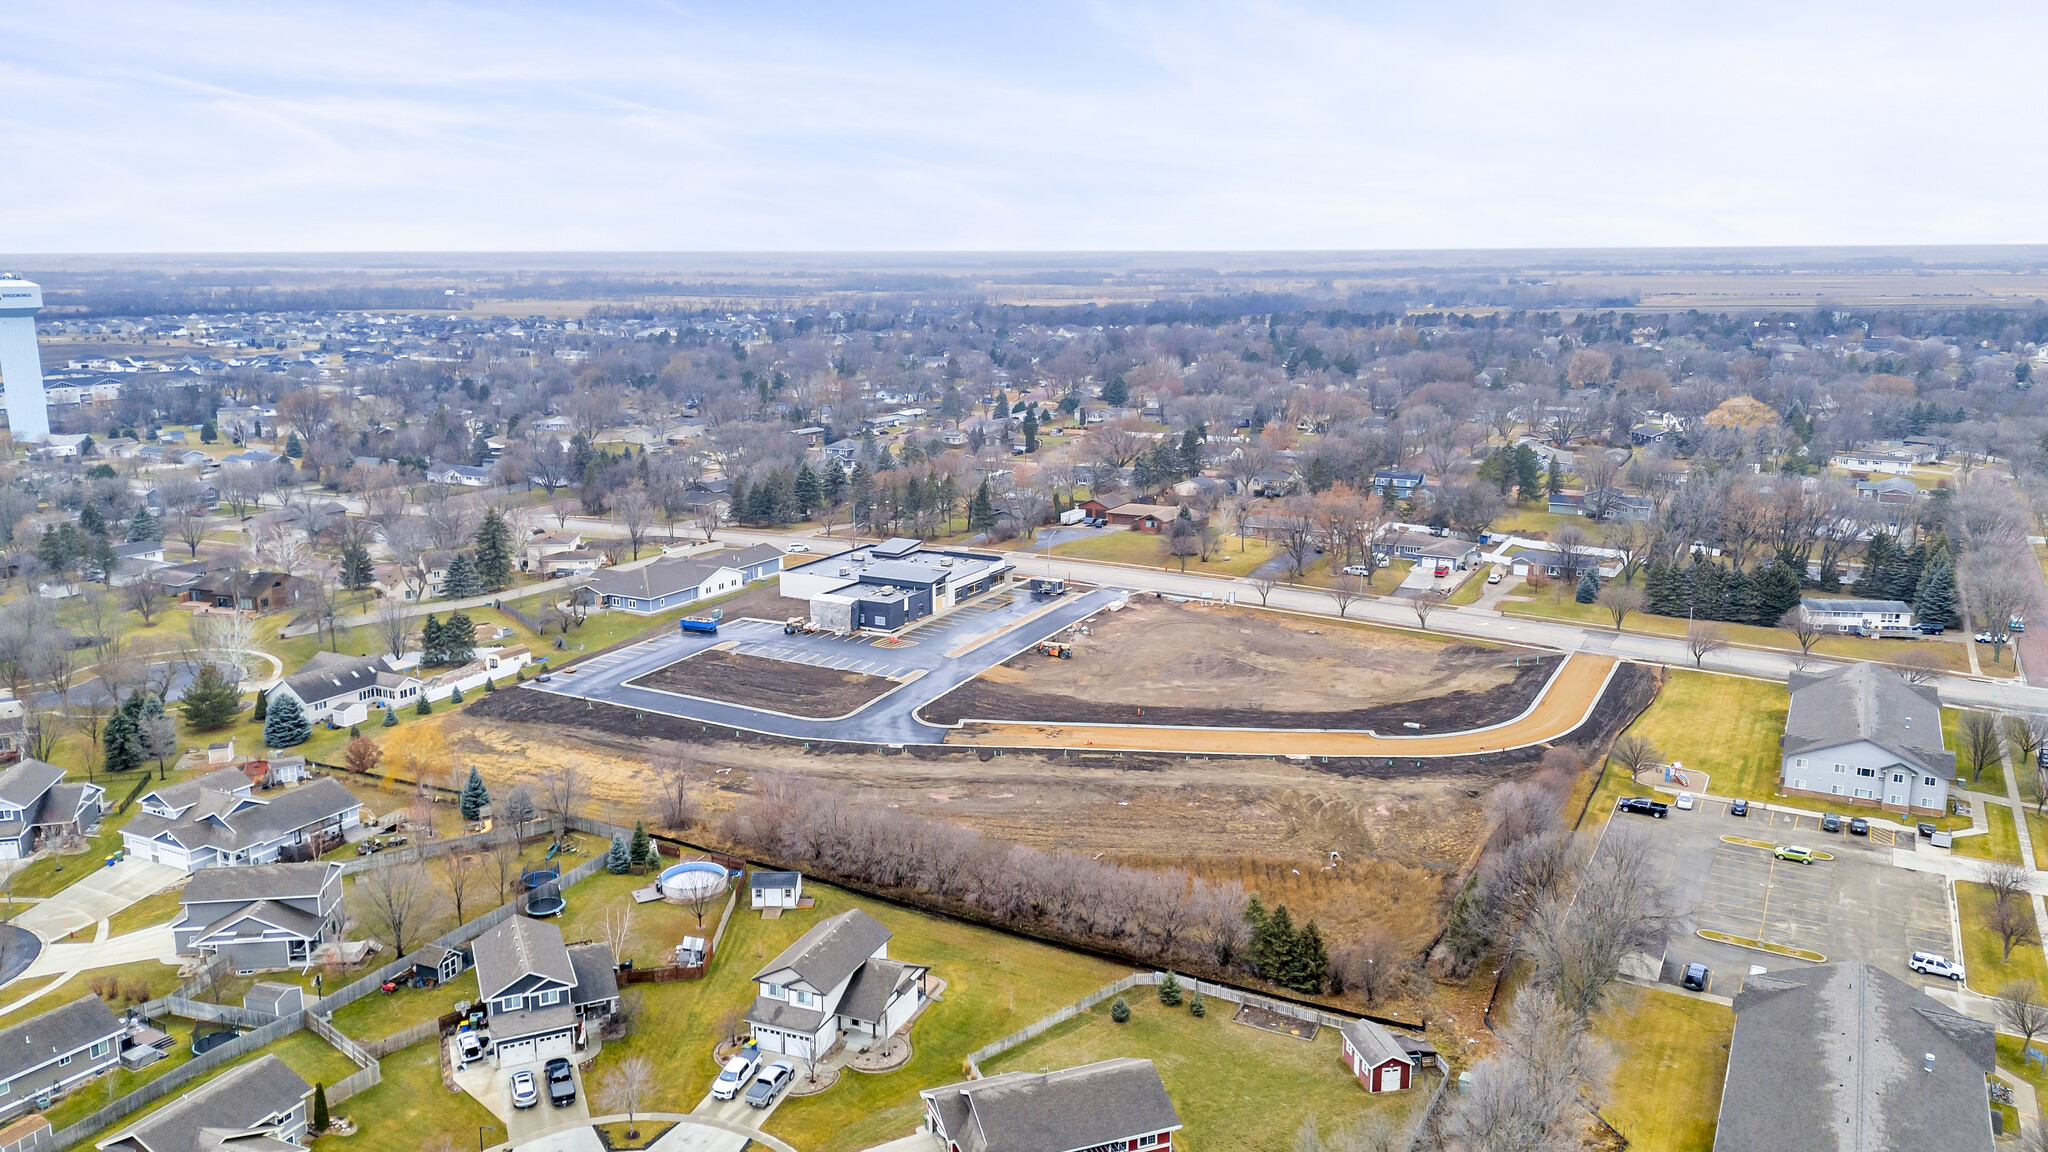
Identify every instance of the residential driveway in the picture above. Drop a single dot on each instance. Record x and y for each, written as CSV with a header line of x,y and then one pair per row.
x,y
687,1136
524,1125
155,943
736,1111
582,1138
97,895
1857,907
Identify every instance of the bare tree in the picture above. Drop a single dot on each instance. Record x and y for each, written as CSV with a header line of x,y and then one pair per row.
x,y
616,929
2007,881
1704,638
635,511
1978,734
562,790
461,874
505,865
397,902
1423,604
1997,594
2012,921
1263,582
1530,1094
2025,735
701,900
189,528
519,810
624,1086
677,770
1619,600
145,599
1346,589
1634,753
394,628
2022,1010
1374,965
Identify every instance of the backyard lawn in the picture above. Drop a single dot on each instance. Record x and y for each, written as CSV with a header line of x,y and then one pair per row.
x,y
2037,831
1224,1077
159,978
382,1014
2002,842
657,926
1674,1054
411,1109
118,1083
995,985
159,908
303,1051
1982,951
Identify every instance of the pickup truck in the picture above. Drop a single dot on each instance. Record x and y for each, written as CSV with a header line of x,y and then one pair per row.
x,y
1643,806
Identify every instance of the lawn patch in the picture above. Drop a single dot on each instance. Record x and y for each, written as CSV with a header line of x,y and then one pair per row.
x,y
1989,970
1675,1052
2002,842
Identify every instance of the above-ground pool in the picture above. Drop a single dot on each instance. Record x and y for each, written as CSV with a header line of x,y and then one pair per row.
x,y
693,879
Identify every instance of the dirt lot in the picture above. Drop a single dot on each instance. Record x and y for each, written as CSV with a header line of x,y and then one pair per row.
x,y
1178,664
777,685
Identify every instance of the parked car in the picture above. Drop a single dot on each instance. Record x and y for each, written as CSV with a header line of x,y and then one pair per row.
x,y
1983,637
798,548
1442,570
544,677
2016,624
1493,577
1935,964
470,1043
1793,853
1696,977
1926,831
1642,806
1831,823
735,1074
1859,827
1685,801
561,1082
1930,629
1738,808
770,1083
525,1093
1357,570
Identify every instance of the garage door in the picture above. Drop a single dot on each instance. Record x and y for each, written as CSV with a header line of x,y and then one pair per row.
x,y
561,1045
516,1053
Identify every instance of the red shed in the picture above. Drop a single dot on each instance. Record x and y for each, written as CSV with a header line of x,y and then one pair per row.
x,y
1376,1058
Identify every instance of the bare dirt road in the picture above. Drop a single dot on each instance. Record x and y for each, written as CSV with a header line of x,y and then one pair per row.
x,y
1565,703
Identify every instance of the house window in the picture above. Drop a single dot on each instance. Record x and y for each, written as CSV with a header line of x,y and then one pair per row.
x,y
1895,799
1800,784
1898,778
1866,771
1835,788
100,1049
1799,763
549,997
1863,793
1840,768
63,1060
777,992
1929,781
511,1003
1147,1141
801,997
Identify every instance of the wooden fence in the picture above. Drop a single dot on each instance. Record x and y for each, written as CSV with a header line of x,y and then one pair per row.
x,y
369,1073
178,1077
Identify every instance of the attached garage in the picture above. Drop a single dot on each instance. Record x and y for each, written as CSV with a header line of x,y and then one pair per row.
x,y
517,1052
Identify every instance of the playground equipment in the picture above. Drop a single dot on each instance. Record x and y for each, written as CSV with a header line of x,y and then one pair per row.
x,y
535,877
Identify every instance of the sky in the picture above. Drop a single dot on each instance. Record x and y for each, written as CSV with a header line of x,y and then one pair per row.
x,y
1049,126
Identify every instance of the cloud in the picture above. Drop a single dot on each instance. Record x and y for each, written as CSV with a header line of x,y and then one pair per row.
x,y
224,127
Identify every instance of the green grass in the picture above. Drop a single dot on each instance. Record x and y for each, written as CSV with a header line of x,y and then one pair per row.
x,y
160,978
1228,558
2002,842
2012,1060
411,1108
1533,520
2037,831
379,1014
303,1051
160,908
1675,1050
231,989
1223,1077
1472,589
118,1083
1982,952
996,985
657,926
1992,780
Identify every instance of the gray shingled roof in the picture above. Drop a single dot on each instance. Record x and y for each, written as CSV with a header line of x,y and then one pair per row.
x,y
1832,1059
322,680
873,985
239,1100
25,783
257,820
261,882
784,1015
188,793
517,948
1056,1111
50,1035
596,974
832,950
297,921
661,578
1866,702
1374,1042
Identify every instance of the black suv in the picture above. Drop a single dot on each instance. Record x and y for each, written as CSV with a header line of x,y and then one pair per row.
x,y
561,1082
1695,977
1643,806
1831,823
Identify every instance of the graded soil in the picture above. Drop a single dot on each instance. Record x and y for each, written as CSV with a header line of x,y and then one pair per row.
x,y
1158,662
777,685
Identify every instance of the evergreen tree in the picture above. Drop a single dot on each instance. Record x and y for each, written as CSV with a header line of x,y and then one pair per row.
x,y
494,550
619,860
424,708
390,718
1191,450
91,522
209,433
1120,1011
121,739
211,700
643,844
1707,601
1738,597
1273,945
458,639
981,514
1528,472
1589,584
1776,589
1661,586
455,695
158,731
357,568
835,483
286,726
293,450
1310,962
320,1118
433,646
490,685
1934,602
1031,430
810,491
1553,482
1116,391
144,528
262,711
1880,558
1169,991
463,581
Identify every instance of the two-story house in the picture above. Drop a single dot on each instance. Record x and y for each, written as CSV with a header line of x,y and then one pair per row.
x,y
837,979
538,993
1862,734
1396,483
55,1052
261,1106
216,822
1117,1105
36,804
265,916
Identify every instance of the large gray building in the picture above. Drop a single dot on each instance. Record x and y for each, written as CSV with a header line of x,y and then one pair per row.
x,y
885,586
1846,1058
1863,735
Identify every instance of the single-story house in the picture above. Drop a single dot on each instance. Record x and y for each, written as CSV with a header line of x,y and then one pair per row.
x,y
538,993
36,805
266,916
459,475
261,1106
260,591
215,822
1858,617
1118,1104
1141,517
672,582
1862,734
1379,1061
1890,490
776,889
836,979
48,1055
340,690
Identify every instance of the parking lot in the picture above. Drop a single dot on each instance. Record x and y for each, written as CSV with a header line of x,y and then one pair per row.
x,y
1855,907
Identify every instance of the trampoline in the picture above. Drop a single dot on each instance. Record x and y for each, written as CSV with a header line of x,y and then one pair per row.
x,y
693,880
547,874
548,903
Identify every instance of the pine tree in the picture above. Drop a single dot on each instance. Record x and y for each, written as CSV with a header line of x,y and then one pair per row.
x,y
424,708
1934,602
810,491
357,568
1661,586
1169,991
1776,589
1196,1008
1120,1011
463,581
390,718
619,860
1031,430
1553,482
494,550
1589,585
211,700
433,645
643,844
355,730
144,528
292,448
1738,597
835,483
490,685
320,1118
455,695
1879,559
209,433
1273,945
121,738
262,711
286,726
458,639
1311,961
981,514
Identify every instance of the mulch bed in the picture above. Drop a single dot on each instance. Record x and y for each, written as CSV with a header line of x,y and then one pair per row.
x,y
981,699
778,685
650,1131
1267,1020
802,1086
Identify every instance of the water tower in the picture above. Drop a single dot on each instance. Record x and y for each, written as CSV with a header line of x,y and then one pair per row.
x,y
21,366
